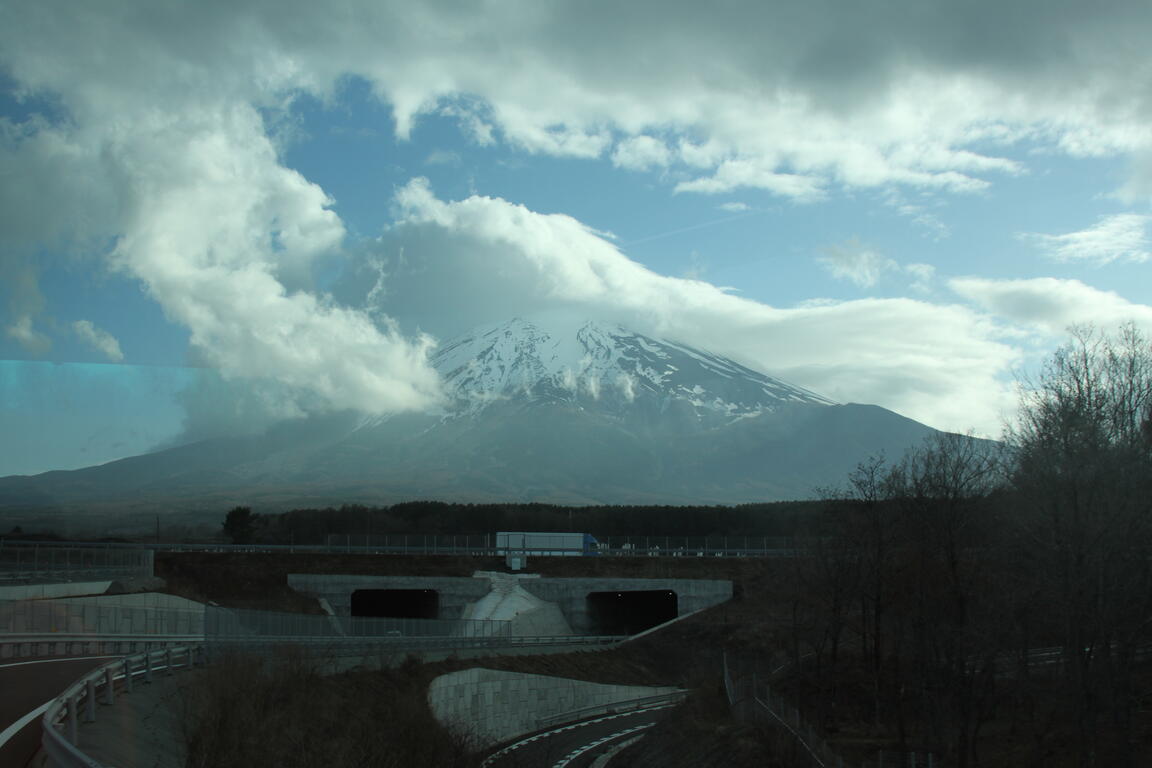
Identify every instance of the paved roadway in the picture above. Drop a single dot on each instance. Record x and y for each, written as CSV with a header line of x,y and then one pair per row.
x,y
26,687
576,745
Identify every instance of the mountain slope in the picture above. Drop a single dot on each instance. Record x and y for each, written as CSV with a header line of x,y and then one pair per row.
x,y
536,411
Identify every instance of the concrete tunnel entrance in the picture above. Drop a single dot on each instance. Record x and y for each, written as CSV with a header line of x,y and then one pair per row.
x,y
626,613
396,603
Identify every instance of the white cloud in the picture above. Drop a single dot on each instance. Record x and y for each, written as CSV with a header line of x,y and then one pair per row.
x,y
99,339
443,157
742,174
24,334
1137,189
854,261
1120,237
1051,305
922,276
189,184
734,207
482,259
641,153
920,94
205,249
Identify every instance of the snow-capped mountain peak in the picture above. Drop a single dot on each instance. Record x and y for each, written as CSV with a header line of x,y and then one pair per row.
x,y
592,363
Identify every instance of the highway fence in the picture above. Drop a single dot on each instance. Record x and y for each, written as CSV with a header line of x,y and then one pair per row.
x,y
39,563
27,646
48,558
144,613
243,630
619,546
225,623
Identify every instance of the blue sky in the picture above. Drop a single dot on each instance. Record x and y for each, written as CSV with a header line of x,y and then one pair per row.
x,y
905,206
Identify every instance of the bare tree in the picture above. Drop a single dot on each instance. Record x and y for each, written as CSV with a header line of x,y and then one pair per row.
x,y
1083,482
943,490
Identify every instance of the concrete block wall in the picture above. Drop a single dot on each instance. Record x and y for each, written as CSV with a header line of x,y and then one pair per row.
x,y
491,706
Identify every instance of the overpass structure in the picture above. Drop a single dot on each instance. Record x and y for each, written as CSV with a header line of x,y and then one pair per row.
x,y
489,612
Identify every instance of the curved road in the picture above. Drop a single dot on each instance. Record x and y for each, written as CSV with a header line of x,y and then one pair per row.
x,y
576,745
26,687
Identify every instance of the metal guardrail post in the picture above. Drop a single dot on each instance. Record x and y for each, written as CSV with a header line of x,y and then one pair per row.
x,y
90,701
109,689
147,667
167,661
73,719
128,674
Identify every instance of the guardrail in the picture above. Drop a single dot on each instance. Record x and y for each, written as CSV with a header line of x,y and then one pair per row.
x,y
80,701
86,644
61,722
630,705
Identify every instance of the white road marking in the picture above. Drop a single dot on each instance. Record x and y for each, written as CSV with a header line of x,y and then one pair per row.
x,y
16,727
7,734
606,756
577,752
513,747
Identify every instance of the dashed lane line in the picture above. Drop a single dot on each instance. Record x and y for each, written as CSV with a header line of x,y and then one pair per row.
x,y
545,734
562,762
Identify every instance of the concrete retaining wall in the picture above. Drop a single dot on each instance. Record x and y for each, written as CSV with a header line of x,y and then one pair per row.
x,y
491,706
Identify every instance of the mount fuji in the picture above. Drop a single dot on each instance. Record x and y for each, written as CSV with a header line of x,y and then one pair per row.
x,y
532,410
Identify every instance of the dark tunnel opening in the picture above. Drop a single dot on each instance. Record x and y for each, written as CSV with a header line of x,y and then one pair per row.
x,y
396,603
626,613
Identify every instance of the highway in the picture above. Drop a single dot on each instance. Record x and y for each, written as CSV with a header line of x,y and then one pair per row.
x,y
26,687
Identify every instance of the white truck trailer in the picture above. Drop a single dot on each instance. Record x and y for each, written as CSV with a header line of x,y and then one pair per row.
x,y
545,544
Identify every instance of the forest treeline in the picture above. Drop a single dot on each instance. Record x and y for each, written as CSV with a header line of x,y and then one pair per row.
x,y
929,587
314,526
